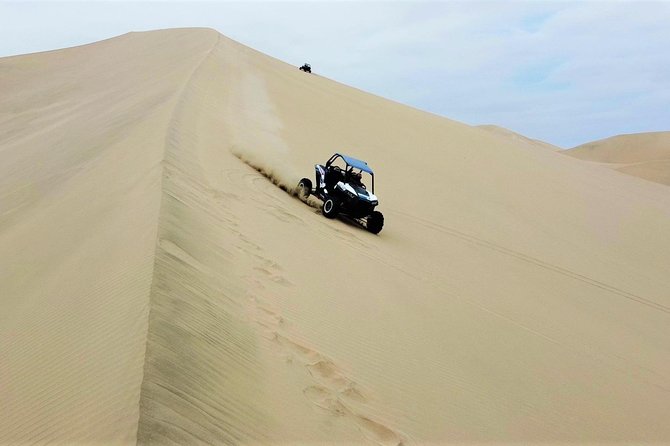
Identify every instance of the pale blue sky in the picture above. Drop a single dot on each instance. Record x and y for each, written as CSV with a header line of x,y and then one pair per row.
x,y
563,72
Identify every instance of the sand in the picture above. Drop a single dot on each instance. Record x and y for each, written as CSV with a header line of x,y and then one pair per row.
x,y
157,288
517,138
644,155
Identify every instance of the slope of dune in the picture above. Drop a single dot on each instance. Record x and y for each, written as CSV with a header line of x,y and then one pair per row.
x,y
517,138
82,137
644,155
156,287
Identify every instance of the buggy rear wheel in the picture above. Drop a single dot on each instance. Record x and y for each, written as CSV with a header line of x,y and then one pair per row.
x,y
375,222
330,208
304,188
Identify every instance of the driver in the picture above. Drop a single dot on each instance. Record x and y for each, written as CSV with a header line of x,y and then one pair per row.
x,y
355,178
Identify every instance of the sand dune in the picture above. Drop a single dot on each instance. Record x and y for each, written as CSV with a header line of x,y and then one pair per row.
x,y
155,287
644,155
517,138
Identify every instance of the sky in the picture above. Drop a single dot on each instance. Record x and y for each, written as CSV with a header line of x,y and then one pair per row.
x,y
563,72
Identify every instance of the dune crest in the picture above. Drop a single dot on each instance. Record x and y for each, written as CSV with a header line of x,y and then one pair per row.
x,y
157,286
82,142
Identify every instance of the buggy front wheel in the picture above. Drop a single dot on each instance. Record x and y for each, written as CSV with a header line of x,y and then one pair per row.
x,y
330,208
375,222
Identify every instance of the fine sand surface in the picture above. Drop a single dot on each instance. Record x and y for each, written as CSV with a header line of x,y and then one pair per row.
x,y
155,287
644,155
517,138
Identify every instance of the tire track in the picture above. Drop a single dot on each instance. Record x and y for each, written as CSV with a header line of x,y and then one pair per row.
x,y
535,261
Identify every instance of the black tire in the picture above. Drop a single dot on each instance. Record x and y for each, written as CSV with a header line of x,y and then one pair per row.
x,y
330,208
375,222
304,188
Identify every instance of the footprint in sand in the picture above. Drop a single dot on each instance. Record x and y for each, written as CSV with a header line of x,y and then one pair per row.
x,y
325,371
323,398
270,316
332,391
273,274
377,432
269,320
352,393
303,353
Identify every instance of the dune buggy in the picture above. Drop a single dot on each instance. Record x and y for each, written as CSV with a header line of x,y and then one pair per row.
x,y
339,185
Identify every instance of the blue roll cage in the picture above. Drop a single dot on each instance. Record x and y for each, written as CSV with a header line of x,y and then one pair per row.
x,y
353,163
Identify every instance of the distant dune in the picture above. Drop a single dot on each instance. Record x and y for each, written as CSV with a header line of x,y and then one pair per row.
x,y
157,288
644,155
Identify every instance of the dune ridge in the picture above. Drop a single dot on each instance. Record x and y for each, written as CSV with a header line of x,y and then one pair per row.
x,y
515,295
82,141
171,411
